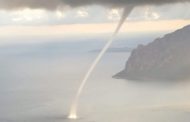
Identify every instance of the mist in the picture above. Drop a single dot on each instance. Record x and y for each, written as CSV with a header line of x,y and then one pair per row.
x,y
43,87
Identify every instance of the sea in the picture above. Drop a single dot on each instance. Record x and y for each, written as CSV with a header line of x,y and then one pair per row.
x,y
39,80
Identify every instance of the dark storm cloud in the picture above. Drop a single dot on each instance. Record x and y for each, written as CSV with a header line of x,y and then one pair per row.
x,y
53,4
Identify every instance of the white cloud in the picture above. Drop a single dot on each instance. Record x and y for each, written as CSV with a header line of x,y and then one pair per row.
x,y
176,11
155,15
114,14
150,14
60,14
82,13
16,19
27,15
91,14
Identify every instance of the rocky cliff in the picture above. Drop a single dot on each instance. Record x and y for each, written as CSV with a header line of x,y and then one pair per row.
x,y
166,58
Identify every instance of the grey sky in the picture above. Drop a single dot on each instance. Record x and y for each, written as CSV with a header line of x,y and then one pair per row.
x,y
88,14
53,4
47,12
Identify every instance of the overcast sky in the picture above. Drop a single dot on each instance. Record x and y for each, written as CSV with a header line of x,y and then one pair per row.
x,y
31,18
91,14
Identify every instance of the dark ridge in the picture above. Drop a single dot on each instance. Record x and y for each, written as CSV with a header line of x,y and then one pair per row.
x,y
166,58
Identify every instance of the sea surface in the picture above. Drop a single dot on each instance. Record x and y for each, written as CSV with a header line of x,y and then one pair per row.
x,y
39,81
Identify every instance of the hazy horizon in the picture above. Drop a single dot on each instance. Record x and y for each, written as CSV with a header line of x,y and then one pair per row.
x,y
47,48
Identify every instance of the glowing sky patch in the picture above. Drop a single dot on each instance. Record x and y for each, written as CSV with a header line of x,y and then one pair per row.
x,y
150,14
114,14
60,14
82,12
28,14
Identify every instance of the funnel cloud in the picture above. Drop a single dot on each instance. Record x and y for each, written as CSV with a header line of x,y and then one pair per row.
x,y
54,4
74,106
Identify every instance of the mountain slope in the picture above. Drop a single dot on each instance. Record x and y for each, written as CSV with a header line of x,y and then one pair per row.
x,y
166,58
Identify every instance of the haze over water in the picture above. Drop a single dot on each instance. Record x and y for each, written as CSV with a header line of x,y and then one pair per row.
x,y
38,82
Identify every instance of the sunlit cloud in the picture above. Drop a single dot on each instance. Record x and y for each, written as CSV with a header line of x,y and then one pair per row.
x,y
150,14
60,14
82,12
114,14
27,14
91,14
155,15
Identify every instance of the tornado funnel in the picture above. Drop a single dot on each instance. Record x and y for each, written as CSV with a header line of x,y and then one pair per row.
x,y
74,106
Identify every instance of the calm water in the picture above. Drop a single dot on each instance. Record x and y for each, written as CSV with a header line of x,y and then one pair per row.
x,y
39,87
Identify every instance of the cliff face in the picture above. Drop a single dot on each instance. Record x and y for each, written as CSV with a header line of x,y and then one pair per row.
x,y
166,58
